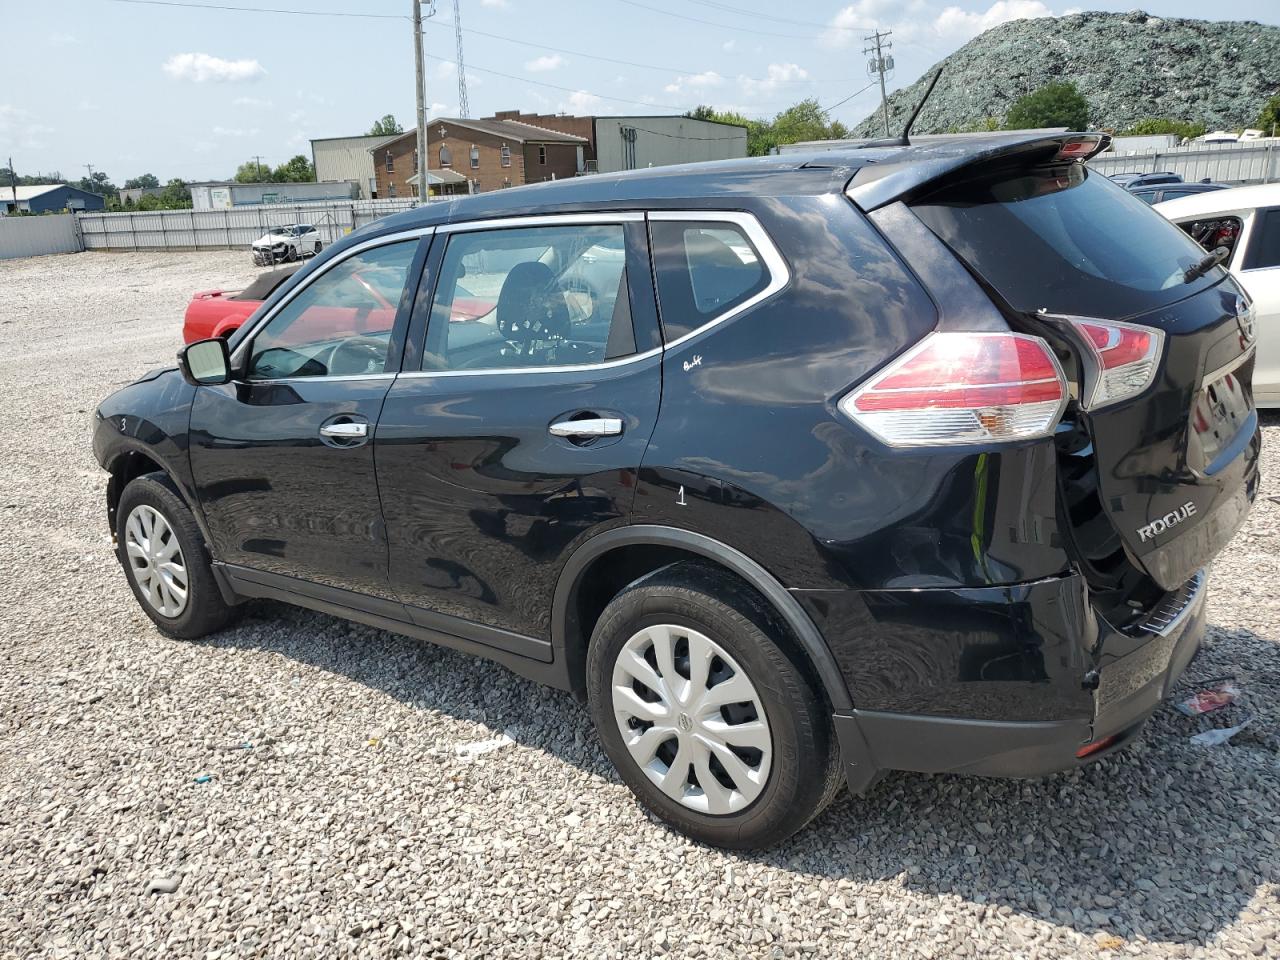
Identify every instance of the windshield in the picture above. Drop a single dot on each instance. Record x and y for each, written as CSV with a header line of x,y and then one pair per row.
x,y
1065,240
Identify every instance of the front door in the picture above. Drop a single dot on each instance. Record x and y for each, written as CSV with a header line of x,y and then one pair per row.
x,y
524,421
283,456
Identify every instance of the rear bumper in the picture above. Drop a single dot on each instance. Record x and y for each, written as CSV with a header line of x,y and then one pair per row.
x,y
1133,675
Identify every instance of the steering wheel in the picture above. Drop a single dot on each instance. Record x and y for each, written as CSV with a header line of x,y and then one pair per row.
x,y
358,355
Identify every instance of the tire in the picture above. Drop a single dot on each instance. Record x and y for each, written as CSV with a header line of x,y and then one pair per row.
x,y
768,796
291,254
202,611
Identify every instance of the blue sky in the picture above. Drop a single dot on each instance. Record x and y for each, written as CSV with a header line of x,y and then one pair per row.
x,y
191,93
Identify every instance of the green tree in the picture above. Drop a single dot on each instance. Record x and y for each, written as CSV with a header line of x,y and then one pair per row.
x,y
99,183
148,181
1152,126
385,127
985,125
297,169
804,121
1053,105
251,171
1269,118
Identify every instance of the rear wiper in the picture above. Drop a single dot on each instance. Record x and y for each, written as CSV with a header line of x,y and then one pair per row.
x,y
1205,264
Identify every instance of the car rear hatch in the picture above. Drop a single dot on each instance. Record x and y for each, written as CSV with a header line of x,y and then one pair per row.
x,y
1158,449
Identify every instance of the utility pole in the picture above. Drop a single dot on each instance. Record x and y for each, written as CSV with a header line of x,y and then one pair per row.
x,y
422,97
881,63
257,167
13,183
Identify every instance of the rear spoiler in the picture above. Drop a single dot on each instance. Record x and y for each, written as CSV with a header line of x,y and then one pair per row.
x,y
898,178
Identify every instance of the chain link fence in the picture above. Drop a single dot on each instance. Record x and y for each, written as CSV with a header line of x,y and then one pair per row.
x,y
232,228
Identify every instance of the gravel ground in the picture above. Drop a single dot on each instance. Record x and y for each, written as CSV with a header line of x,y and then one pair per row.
x,y
303,787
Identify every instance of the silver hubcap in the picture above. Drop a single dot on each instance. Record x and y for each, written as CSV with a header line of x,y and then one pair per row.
x,y
691,719
155,559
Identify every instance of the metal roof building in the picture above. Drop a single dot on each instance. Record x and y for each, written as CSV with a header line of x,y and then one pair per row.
x,y
348,158
46,197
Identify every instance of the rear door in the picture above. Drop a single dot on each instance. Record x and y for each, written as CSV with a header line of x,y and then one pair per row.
x,y
518,425
1167,451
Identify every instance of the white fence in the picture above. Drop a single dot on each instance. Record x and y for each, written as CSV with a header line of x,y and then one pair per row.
x,y
233,228
35,236
1234,163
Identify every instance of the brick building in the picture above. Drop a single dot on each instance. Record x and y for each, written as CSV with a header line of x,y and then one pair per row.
x,y
465,156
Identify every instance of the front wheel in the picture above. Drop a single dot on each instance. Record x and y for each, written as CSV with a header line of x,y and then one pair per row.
x,y
165,561
707,709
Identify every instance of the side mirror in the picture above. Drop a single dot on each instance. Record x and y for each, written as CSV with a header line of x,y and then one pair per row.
x,y
205,362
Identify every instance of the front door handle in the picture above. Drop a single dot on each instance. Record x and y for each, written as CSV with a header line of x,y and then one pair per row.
x,y
348,430
594,427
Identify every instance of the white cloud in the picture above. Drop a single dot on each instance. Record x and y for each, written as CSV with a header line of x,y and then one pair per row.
x,y
848,27
203,68
581,102
234,132
953,22
251,102
728,45
17,127
776,76
63,39
698,81
543,64
493,3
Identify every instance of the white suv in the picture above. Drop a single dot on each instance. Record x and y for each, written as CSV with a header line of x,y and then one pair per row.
x,y
1245,220
290,242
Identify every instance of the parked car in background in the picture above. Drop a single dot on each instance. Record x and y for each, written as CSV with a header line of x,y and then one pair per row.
x,y
219,313
1245,220
1131,180
796,469
288,242
1158,193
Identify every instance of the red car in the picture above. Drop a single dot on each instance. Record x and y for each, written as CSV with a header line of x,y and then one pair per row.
x,y
218,313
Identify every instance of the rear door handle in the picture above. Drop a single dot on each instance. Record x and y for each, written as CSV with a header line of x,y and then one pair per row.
x,y
596,427
345,431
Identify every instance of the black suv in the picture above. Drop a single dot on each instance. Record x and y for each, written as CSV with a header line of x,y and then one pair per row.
x,y
797,469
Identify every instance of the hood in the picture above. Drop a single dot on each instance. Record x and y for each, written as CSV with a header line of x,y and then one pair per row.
x,y
271,239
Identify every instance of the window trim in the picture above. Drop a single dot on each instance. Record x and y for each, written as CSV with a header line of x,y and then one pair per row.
x,y
770,257
504,156
779,277
620,217
238,355
1246,217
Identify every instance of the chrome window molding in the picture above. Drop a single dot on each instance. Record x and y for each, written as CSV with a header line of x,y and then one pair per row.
x,y
573,368
779,274
242,348
542,220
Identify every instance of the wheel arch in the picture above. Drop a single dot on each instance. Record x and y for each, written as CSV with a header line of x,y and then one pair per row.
x,y
642,548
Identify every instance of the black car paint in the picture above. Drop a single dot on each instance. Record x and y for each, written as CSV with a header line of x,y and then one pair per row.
x,y
929,583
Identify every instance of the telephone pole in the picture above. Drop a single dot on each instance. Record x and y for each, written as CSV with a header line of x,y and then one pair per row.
x,y
13,183
257,167
881,63
464,106
422,93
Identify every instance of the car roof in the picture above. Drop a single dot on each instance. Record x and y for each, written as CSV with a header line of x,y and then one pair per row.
x,y
880,173
1222,201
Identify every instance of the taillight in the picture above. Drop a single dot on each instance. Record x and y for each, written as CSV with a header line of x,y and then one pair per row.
x,y
1124,357
963,388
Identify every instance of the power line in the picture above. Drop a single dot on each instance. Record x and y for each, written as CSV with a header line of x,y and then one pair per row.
x,y
841,103
712,23
292,12
764,16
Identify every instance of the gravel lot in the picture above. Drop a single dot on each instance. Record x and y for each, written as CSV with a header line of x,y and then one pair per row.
x,y
343,814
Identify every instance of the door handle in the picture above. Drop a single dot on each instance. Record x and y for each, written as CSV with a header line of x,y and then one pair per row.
x,y
345,431
595,427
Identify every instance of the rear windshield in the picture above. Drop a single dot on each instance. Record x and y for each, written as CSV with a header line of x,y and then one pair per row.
x,y
1065,240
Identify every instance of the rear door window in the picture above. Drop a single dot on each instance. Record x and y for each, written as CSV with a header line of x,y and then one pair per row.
x,y
547,296
704,270
1264,243
1065,240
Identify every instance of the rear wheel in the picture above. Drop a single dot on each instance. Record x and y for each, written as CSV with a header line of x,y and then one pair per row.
x,y
705,707
165,560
